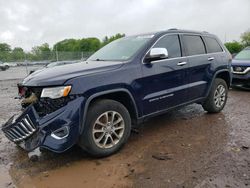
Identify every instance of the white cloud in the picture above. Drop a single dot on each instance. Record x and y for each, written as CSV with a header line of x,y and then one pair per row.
x,y
7,36
23,28
43,21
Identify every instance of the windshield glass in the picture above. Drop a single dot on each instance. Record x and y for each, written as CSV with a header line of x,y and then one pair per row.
x,y
243,55
121,49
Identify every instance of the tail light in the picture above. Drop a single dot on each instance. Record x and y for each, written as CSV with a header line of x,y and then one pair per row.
x,y
22,91
230,57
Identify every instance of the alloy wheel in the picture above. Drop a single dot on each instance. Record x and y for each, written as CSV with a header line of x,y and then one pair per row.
x,y
220,96
108,129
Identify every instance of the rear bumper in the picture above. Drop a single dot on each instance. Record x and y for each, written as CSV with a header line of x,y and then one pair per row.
x,y
41,132
241,79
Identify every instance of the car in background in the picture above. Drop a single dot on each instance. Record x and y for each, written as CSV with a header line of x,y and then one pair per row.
x,y
241,68
11,64
3,67
53,64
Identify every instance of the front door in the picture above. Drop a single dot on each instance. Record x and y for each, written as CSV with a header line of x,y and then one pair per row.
x,y
164,81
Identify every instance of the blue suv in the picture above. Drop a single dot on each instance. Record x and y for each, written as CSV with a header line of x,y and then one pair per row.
x,y
96,102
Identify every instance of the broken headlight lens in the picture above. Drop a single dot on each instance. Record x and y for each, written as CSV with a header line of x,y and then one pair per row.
x,y
56,92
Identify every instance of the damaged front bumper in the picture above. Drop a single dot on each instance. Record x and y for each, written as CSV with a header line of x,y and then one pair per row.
x,y
56,131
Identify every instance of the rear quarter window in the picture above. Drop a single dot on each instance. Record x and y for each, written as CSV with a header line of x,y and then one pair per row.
x,y
212,45
194,45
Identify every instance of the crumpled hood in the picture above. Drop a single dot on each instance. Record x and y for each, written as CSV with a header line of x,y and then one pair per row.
x,y
58,75
244,63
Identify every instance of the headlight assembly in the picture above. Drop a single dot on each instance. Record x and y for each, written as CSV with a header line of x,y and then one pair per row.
x,y
56,92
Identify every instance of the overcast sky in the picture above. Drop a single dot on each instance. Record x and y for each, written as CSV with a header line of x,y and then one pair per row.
x,y
26,23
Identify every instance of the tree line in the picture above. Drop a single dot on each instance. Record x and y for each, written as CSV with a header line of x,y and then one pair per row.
x,y
67,49
235,47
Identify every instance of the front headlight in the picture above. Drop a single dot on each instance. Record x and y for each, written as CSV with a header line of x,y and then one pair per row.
x,y
56,92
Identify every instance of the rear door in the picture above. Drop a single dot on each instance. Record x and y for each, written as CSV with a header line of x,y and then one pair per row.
x,y
199,63
164,81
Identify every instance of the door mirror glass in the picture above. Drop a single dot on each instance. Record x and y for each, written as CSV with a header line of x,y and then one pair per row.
x,y
156,54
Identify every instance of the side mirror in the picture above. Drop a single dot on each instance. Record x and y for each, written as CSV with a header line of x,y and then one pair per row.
x,y
156,54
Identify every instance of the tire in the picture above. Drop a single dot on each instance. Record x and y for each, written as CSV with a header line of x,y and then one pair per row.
x,y
217,97
96,119
247,86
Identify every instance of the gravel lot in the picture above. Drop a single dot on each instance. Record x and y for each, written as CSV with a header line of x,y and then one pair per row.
x,y
183,148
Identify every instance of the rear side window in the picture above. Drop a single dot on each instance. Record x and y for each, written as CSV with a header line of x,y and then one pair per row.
x,y
193,45
171,43
212,45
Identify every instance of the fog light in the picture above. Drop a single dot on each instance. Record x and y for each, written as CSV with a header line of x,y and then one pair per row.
x,y
238,69
60,133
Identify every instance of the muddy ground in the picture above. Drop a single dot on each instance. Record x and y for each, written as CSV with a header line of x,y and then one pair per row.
x,y
183,148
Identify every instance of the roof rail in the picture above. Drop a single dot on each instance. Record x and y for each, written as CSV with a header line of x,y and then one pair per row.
x,y
173,29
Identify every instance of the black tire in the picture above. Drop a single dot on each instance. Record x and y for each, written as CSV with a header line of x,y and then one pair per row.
x,y
96,110
210,104
246,86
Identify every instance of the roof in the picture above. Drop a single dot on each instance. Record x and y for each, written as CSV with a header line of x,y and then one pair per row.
x,y
174,30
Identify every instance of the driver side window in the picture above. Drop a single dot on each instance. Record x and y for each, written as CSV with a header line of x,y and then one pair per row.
x,y
171,43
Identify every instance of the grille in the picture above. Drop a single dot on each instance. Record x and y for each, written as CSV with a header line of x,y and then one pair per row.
x,y
46,106
22,130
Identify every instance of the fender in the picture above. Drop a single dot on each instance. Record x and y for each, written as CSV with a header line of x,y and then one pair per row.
x,y
104,93
215,75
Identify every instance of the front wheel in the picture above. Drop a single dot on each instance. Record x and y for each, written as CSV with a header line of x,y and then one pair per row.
x,y
217,97
107,128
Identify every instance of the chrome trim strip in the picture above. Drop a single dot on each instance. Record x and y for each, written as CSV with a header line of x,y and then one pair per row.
x,y
142,61
21,131
31,123
28,124
182,63
9,136
59,138
12,134
244,72
25,128
17,133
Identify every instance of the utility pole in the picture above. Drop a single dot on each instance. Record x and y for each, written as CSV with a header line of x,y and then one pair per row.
x,y
26,63
56,54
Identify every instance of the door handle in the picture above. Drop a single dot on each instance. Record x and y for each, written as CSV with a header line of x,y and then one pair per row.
x,y
210,59
182,63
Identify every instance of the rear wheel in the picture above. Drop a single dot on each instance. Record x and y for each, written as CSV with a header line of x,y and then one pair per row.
x,y
217,97
107,128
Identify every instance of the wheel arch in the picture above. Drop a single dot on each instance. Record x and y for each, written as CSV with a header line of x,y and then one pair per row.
x,y
224,74
120,95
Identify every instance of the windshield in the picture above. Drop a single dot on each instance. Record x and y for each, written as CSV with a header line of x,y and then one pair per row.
x,y
243,55
121,49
